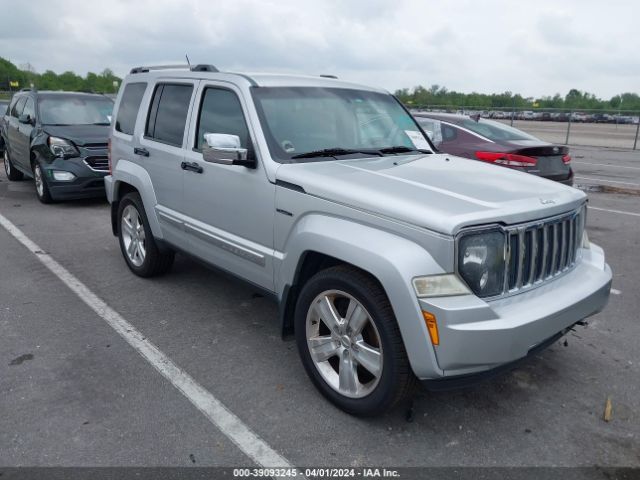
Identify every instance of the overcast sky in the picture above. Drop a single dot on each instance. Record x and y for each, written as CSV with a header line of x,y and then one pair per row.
x,y
530,47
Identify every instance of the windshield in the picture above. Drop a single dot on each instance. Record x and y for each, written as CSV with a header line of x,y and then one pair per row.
x,y
67,110
495,131
302,120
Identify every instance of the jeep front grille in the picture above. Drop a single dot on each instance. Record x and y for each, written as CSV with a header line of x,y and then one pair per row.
x,y
539,251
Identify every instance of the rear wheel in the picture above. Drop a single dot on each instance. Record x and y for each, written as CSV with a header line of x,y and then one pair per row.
x,y
350,343
12,173
139,248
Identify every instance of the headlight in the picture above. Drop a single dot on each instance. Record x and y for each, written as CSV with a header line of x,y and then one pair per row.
x,y
439,286
481,262
62,148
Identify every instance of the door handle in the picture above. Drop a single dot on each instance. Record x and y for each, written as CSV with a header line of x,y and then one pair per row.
x,y
192,166
141,151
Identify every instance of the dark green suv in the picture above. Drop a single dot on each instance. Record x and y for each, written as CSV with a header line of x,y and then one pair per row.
x,y
60,140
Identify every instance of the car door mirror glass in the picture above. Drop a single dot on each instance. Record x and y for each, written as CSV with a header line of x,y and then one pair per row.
x,y
225,149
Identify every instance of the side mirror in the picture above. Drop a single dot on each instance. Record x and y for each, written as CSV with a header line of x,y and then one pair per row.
x,y
225,149
25,119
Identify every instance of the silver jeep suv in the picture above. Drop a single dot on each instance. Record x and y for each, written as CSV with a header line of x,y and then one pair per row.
x,y
391,263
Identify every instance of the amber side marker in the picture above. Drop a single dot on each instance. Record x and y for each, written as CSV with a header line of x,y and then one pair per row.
x,y
432,326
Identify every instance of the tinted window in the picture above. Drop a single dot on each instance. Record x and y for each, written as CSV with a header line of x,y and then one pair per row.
x,y
221,113
29,109
129,106
168,113
449,133
495,130
16,111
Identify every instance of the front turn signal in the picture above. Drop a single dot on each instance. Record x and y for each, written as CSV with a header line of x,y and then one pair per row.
x,y
432,327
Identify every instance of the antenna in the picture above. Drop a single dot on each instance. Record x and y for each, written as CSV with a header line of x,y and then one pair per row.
x,y
187,57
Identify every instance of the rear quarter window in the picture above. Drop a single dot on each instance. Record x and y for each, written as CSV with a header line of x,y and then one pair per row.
x,y
129,106
168,113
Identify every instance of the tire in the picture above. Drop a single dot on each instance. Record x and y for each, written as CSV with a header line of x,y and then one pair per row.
x,y
42,188
146,259
12,174
377,374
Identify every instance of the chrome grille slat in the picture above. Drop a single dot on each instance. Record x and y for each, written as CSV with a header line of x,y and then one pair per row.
x,y
545,252
533,256
563,245
521,258
554,248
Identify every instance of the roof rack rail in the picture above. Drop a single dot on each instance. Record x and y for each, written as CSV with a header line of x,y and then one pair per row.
x,y
204,68
195,68
25,89
156,67
329,76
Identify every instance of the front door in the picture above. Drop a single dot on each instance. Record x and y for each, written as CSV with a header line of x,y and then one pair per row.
x,y
229,208
22,143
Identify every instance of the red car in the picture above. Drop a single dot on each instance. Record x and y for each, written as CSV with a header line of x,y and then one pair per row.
x,y
494,142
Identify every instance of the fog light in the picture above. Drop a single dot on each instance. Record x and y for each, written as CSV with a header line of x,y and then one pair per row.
x,y
432,327
63,176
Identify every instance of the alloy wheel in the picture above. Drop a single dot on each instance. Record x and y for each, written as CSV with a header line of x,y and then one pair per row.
x,y
7,165
133,236
37,175
344,343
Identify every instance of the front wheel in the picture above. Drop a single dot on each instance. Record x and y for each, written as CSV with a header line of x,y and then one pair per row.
x,y
350,343
42,188
139,248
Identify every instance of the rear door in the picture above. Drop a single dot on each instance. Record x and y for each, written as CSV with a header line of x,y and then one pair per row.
x,y
12,132
160,148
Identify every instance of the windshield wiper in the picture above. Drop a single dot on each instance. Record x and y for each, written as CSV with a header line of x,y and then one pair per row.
x,y
402,149
332,152
57,124
101,123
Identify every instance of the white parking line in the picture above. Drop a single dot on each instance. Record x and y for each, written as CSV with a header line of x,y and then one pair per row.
x,y
621,212
607,181
228,423
606,165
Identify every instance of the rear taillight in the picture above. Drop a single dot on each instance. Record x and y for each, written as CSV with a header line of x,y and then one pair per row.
x,y
507,159
109,154
566,159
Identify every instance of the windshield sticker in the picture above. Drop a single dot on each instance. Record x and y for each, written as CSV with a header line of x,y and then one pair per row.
x,y
418,140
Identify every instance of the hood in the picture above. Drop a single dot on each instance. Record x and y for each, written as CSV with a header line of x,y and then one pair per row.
x,y
439,192
80,134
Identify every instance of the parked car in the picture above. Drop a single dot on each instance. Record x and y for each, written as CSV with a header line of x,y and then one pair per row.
x,y
60,140
4,104
499,144
390,263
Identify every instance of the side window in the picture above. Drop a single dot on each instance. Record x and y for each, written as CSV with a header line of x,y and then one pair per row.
x,y
29,109
432,127
16,111
448,133
168,113
129,105
221,112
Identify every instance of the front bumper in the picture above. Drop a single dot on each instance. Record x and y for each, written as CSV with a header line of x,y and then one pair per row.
x,y
478,336
88,183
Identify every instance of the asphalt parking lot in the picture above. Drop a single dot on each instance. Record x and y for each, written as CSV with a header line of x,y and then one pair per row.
x,y
73,392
